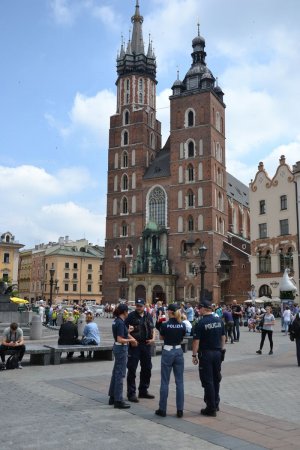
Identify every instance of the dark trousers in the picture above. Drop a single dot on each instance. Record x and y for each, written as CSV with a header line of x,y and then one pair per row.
x,y
210,377
20,350
140,354
118,373
236,329
229,330
263,337
298,350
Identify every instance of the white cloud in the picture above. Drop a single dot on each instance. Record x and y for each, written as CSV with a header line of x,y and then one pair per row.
x,y
38,207
88,114
62,11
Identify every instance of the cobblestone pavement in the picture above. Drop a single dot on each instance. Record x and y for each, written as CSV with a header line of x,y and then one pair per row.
x,y
66,406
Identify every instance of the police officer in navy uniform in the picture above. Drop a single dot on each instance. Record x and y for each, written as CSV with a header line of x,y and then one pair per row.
x,y
172,333
143,332
209,352
120,349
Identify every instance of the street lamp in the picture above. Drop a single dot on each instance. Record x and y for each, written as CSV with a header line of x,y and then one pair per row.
x,y
202,254
52,272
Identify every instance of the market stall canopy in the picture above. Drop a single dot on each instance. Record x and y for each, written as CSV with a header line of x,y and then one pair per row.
x,y
21,301
263,299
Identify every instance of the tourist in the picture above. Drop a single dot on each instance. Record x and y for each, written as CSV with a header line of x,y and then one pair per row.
x,y
267,328
12,340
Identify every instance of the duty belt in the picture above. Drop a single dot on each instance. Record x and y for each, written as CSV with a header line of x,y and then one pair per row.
x,y
170,347
119,343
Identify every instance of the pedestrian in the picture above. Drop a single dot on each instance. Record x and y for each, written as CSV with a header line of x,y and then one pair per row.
x,y
120,350
267,329
287,318
12,340
187,324
237,315
295,334
228,321
172,332
209,352
144,334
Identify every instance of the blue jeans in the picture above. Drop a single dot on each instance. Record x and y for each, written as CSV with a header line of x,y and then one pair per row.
x,y
210,376
172,359
119,372
236,329
286,326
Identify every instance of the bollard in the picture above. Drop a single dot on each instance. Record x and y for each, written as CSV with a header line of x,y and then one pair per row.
x,y
81,324
36,328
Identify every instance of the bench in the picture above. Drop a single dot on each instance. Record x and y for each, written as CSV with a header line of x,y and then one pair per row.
x,y
157,346
39,355
100,352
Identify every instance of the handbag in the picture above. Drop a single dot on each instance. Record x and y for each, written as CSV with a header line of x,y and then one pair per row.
x,y
261,323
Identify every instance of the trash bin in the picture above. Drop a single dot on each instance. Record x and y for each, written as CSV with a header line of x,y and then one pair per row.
x,y
36,328
81,324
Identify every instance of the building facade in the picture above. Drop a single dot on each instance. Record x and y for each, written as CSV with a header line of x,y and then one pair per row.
x,y
64,271
274,229
164,203
9,258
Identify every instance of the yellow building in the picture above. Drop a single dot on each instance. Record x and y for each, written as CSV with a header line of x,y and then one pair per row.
x,y
25,274
9,258
73,275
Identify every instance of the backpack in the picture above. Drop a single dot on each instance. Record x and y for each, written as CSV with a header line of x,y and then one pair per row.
x,y
12,362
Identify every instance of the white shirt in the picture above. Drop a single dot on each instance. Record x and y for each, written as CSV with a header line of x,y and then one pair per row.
x,y
287,315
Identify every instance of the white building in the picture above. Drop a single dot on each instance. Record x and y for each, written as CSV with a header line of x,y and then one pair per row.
x,y
273,228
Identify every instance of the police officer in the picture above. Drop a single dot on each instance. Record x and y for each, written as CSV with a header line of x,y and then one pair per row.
x,y
143,332
120,350
208,351
172,333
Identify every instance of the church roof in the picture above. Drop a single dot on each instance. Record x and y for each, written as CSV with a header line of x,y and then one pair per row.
x,y
237,190
160,166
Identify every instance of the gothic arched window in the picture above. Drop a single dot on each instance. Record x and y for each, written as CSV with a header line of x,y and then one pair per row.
x,y
191,149
124,160
190,172
125,182
124,205
190,223
157,206
190,119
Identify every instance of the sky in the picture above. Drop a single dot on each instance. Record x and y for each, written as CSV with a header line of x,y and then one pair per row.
x,y
57,81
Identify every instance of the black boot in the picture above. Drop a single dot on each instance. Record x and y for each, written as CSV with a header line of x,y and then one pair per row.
x,y
121,405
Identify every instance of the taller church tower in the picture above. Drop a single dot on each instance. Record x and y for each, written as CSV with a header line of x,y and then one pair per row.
x,y
164,203
134,139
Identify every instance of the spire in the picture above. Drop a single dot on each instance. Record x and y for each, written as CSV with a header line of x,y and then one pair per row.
x,y
137,45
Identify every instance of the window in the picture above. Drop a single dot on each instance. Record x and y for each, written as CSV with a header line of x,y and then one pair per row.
x,y
75,276
262,230
67,265
66,287
126,118
262,207
75,266
284,226
141,90
190,223
117,251
286,260
264,262
190,198
66,275
74,287
283,202
190,119
191,149
6,258
125,136
5,277
129,250
190,172
124,230
123,271
125,183
124,160
157,206
90,266
89,276
89,288
124,206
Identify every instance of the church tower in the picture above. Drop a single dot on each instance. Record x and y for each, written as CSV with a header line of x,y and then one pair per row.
x,y
134,139
198,198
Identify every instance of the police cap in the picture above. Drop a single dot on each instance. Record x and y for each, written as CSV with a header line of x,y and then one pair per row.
x,y
205,304
172,307
140,301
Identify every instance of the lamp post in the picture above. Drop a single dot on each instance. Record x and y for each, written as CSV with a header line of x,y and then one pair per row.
x,y
202,254
52,272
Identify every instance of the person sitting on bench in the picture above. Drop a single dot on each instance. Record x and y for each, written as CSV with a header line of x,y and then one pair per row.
x,y
68,335
91,335
12,341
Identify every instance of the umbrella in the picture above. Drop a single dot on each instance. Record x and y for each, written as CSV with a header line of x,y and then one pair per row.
x,y
249,301
21,301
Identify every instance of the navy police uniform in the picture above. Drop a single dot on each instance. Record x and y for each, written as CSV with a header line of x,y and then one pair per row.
x,y
172,333
209,331
143,331
120,352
